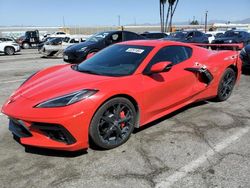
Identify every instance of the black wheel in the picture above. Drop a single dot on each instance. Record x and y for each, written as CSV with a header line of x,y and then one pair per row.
x,y
26,45
9,50
226,85
113,123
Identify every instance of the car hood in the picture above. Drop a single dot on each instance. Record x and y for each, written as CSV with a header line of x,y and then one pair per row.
x,y
58,81
77,47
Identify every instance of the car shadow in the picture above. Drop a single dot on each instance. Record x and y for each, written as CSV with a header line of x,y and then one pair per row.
x,y
54,153
169,116
50,152
15,54
246,71
69,154
51,57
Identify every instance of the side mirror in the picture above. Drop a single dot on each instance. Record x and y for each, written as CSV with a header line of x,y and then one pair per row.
x,y
162,66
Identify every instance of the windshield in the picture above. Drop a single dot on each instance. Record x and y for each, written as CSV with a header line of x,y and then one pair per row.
x,y
178,34
116,60
54,41
66,39
230,34
97,37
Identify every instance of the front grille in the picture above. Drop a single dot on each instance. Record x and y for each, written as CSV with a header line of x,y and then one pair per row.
x,y
18,128
55,132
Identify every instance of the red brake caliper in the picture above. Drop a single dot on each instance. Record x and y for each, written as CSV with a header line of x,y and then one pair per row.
x,y
122,115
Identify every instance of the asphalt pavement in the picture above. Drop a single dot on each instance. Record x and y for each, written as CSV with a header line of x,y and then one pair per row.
x,y
203,145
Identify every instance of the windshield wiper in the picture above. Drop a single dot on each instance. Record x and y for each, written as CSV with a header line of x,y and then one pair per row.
x,y
75,67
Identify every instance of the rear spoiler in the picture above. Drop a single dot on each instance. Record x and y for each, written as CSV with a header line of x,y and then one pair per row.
x,y
221,46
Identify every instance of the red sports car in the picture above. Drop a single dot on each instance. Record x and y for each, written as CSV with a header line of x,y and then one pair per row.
x,y
124,86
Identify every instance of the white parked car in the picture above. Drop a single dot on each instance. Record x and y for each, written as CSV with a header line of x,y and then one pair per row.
x,y
8,46
213,34
56,46
56,34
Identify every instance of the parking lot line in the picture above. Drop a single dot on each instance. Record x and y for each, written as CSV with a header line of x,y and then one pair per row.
x,y
193,165
11,81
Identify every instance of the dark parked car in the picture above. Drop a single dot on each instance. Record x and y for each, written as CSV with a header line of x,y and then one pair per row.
x,y
245,56
233,36
78,52
189,37
154,35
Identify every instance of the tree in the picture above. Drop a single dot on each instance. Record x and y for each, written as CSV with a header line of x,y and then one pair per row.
x,y
194,22
172,4
162,13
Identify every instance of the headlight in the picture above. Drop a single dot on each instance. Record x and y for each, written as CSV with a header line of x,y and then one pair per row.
x,y
228,41
82,49
68,99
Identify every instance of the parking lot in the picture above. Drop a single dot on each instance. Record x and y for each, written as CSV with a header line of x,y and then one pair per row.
x,y
203,145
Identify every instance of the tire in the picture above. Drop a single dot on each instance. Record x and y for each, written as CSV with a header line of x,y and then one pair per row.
x,y
9,50
26,45
113,123
226,85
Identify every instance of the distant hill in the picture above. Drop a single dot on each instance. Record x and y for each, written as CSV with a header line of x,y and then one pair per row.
x,y
245,21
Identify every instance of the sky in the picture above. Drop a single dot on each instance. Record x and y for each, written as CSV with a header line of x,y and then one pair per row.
x,y
100,12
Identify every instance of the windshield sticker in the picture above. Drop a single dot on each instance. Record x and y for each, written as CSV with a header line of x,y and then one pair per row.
x,y
135,50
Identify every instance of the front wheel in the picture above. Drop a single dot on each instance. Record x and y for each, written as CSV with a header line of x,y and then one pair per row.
x,y
26,45
9,51
113,123
226,85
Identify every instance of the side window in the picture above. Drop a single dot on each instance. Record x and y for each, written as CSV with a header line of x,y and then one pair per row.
x,y
198,34
174,54
129,36
241,34
191,34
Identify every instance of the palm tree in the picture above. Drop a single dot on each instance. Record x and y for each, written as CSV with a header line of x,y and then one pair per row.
x,y
171,10
162,13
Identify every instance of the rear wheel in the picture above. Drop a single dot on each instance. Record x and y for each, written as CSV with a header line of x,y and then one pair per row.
x,y
113,123
9,50
226,85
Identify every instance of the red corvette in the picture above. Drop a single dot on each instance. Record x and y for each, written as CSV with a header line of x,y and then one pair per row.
x,y
124,86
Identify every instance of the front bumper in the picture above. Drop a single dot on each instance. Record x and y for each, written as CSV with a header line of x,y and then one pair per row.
x,y
64,128
17,48
74,57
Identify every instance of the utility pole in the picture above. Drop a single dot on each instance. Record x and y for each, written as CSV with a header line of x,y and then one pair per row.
x,y
119,20
206,21
63,22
